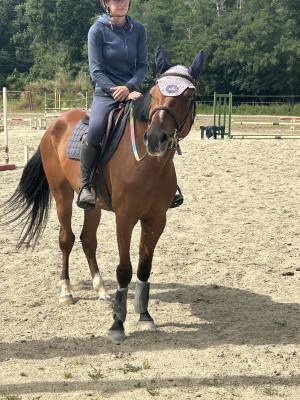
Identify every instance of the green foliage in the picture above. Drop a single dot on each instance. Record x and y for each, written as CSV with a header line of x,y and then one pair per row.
x,y
269,391
68,375
253,50
95,373
131,368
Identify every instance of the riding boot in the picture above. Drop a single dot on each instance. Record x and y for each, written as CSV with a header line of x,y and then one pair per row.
x,y
178,199
88,153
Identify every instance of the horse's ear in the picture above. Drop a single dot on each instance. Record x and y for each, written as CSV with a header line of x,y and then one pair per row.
x,y
196,67
162,64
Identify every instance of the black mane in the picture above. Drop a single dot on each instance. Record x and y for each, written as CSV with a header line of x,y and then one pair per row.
x,y
141,107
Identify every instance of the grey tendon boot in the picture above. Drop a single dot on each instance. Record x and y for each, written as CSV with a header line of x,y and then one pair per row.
x,y
117,333
88,153
141,300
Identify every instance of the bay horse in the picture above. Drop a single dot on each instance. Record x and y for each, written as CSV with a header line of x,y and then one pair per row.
x,y
140,190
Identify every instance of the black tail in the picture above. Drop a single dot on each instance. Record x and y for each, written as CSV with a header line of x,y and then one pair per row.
x,y
30,203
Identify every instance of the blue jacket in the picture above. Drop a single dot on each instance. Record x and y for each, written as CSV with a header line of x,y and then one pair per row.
x,y
117,55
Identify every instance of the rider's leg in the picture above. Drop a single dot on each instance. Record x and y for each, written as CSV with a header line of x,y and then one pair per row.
x,y
88,155
90,147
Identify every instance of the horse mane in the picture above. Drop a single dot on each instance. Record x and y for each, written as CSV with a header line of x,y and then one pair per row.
x,y
141,107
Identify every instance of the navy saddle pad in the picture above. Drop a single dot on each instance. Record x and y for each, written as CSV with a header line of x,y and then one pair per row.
x,y
73,149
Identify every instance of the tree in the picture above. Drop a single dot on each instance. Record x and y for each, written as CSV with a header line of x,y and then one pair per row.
x,y
253,49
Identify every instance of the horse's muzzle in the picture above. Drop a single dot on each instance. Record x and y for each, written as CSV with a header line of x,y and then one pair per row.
x,y
156,143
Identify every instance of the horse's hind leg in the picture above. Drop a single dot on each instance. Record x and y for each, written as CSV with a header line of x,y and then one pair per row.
x,y
150,234
89,244
64,197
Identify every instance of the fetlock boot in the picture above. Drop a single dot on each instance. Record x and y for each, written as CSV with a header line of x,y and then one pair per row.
x,y
88,154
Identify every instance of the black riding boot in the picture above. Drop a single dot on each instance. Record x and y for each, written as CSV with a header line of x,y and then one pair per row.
x,y
178,199
88,153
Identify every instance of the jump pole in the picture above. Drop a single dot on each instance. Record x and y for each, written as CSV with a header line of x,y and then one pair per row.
x,y
6,166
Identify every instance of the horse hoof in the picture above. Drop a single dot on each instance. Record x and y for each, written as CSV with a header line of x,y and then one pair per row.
x,y
117,337
104,297
66,300
147,326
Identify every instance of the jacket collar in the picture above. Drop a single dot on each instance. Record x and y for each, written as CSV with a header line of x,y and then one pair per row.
x,y
105,20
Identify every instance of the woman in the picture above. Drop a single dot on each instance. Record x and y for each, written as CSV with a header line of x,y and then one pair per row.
x,y
118,63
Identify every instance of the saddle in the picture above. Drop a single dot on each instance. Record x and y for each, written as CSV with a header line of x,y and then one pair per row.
x,y
116,124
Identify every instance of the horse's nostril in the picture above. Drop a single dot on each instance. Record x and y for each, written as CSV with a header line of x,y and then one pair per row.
x,y
163,137
145,137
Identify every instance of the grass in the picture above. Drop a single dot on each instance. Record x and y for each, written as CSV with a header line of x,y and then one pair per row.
x,y
146,364
20,104
10,397
95,373
131,368
269,391
68,375
256,109
153,390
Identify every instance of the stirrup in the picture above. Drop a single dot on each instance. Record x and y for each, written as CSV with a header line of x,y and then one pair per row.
x,y
90,203
178,199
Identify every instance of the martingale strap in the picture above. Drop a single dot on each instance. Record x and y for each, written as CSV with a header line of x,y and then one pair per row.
x,y
132,135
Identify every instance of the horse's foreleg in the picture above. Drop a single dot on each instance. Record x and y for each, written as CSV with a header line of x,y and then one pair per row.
x,y
64,199
125,225
150,234
88,239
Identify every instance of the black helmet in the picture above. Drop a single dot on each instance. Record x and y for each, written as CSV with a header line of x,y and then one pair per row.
x,y
106,8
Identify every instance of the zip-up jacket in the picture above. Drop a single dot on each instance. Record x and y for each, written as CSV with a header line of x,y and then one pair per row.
x,y
117,54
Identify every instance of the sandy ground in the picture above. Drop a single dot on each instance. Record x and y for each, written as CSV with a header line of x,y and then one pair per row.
x,y
228,319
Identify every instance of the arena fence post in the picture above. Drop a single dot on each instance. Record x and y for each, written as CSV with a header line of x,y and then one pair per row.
x,y
6,166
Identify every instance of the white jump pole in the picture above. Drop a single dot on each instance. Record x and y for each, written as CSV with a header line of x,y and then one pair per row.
x,y
5,125
6,166
27,149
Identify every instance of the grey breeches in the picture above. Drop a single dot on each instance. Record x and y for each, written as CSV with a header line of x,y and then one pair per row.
x,y
100,110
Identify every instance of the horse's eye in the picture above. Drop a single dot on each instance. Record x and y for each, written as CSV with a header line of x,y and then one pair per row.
x,y
188,99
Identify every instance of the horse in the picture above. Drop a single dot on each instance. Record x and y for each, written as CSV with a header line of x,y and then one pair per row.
x,y
141,188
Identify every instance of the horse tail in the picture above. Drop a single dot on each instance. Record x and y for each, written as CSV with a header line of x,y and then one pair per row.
x,y
30,203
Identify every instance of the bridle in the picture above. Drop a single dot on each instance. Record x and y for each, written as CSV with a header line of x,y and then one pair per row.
x,y
175,138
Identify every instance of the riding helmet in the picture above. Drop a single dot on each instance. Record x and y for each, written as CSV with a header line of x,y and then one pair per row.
x,y
106,8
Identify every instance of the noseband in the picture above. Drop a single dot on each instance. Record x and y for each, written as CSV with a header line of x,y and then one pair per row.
x,y
179,125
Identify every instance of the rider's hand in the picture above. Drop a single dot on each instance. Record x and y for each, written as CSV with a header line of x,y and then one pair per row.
x,y
134,95
120,93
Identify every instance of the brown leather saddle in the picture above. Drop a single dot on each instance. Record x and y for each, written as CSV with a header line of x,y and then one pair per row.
x,y
116,124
